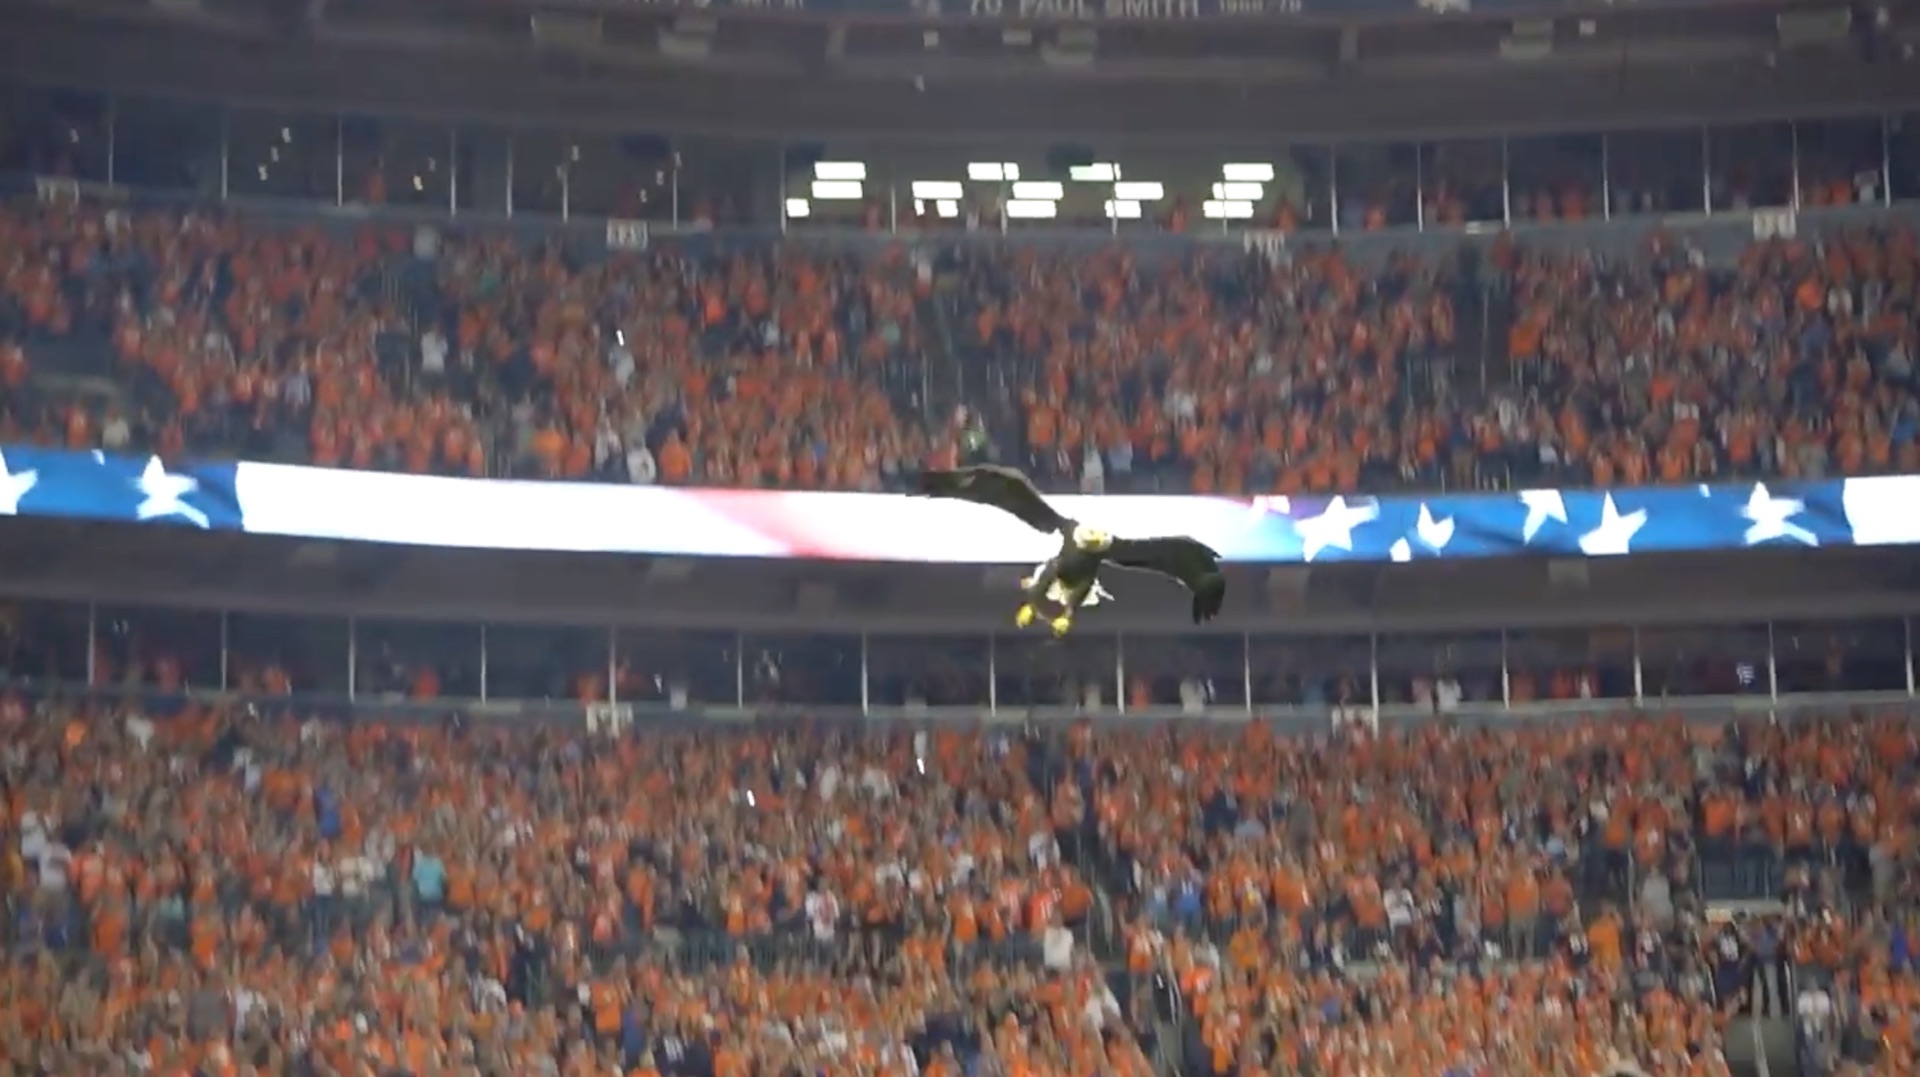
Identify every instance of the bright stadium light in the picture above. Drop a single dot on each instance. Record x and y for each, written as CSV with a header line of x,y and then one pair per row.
x,y
1238,192
1121,210
993,172
799,207
1031,210
837,190
1039,191
1247,173
1094,173
839,170
1139,191
1226,211
947,208
937,189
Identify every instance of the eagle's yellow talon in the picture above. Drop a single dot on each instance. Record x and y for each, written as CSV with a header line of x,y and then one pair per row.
x,y
1023,616
1061,625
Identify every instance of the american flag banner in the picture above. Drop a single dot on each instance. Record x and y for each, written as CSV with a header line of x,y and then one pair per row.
x,y
420,510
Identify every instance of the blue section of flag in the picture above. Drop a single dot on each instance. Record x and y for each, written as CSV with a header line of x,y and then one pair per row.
x,y
100,486
1556,523
1570,523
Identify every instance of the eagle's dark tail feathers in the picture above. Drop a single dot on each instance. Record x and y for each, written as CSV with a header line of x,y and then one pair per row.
x,y
1209,594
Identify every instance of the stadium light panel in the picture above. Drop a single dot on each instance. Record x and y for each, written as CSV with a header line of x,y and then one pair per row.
x,y
837,190
840,170
1039,191
934,189
1226,211
799,207
1095,173
1139,191
993,172
1031,210
1247,173
1238,192
1122,210
947,208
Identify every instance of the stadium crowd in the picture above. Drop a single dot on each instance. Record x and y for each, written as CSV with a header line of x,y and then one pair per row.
x,y
224,889
212,334
339,348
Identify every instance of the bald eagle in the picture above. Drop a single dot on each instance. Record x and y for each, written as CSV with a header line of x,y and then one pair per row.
x,y
1070,579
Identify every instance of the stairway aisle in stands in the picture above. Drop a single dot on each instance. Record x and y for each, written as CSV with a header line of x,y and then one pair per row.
x,y
1496,299
1482,317
1166,1030
945,371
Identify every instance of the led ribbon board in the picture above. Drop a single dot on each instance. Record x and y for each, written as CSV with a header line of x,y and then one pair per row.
x,y
420,510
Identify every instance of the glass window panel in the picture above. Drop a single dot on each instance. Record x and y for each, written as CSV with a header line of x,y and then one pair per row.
x,y
980,197
802,669
282,155
1286,189
677,669
417,660
43,642
1462,181
1040,167
933,671
728,182
480,169
1704,660
838,185
1553,664
1653,172
539,173
1840,161
1903,155
1440,672
171,650
271,654
613,175
1191,671
167,145
1841,656
1750,165
396,162
1085,188
1556,177
1185,182
1376,185
1311,671
1299,198
53,132
546,662
650,167
1034,670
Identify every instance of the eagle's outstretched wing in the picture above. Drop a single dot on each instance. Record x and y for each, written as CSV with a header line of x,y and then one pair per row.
x,y
1190,561
1002,487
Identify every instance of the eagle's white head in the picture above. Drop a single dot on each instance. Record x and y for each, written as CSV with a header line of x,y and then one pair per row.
x,y
1091,539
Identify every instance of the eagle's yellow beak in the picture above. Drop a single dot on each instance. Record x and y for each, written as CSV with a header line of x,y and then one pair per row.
x,y
1092,539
